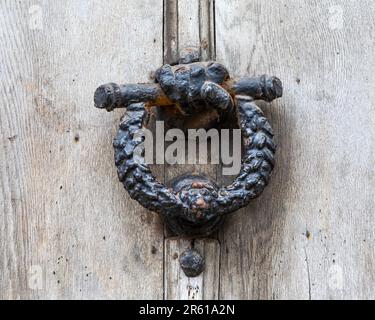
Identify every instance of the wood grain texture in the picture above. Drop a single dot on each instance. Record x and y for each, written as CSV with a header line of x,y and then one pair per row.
x,y
188,24
68,229
311,234
180,287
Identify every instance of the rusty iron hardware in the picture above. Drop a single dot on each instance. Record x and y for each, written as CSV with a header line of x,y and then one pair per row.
x,y
194,205
192,263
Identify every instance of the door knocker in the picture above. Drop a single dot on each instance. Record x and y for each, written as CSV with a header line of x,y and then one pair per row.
x,y
194,205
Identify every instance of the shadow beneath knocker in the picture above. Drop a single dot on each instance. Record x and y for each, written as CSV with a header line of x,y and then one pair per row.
x,y
251,238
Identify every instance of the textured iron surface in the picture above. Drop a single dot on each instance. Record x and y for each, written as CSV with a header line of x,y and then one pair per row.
x,y
192,263
195,205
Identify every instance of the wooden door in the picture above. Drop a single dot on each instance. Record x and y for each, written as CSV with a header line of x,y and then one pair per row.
x,y
70,231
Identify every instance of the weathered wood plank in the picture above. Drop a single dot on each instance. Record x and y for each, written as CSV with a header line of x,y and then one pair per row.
x,y
207,29
310,236
189,24
68,229
171,31
180,287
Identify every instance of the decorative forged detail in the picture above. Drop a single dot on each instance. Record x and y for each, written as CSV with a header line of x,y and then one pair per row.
x,y
137,177
194,205
258,160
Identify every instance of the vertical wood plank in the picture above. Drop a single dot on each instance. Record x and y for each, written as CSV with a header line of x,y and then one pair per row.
x,y
69,230
180,287
207,29
171,31
189,24
310,235
192,22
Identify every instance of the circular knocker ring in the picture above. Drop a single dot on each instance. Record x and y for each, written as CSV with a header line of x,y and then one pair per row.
x,y
194,205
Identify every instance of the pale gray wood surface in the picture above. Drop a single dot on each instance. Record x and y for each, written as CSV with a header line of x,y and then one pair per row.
x,y
68,228
311,234
180,287
189,24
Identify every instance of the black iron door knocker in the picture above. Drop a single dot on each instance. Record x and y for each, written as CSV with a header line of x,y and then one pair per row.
x,y
194,205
